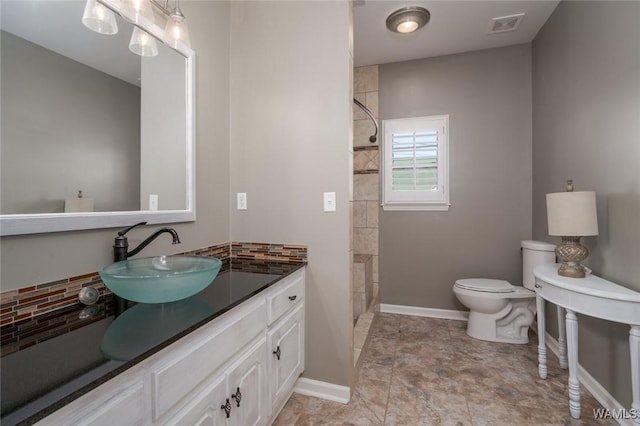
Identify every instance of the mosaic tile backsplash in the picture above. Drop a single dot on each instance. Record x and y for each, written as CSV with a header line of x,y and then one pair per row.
x,y
38,299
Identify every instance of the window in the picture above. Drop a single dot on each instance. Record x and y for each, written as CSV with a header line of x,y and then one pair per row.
x,y
416,166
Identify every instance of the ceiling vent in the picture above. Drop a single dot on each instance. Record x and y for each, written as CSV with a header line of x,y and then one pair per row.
x,y
505,24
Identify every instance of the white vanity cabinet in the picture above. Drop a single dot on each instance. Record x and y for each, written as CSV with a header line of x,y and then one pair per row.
x,y
226,372
237,397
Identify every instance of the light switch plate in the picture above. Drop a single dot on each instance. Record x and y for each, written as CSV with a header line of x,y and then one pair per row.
x,y
242,200
153,202
329,201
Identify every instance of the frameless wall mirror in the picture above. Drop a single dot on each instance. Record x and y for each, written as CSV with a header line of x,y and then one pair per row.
x,y
92,135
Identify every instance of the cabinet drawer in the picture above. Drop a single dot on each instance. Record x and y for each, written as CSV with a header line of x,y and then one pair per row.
x,y
197,359
288,293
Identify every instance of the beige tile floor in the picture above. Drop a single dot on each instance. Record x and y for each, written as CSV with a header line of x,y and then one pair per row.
x,y
425,371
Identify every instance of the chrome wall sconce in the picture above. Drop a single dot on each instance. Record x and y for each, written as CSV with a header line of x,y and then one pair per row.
x,y
101,18
408,19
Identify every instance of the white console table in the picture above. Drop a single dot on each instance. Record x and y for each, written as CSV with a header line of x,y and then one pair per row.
x,y
595,297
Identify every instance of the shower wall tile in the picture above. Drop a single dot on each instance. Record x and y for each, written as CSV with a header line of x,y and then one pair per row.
x,y
365,79
365,187
359,214
376,262
365,240
371,101
362,130
366,166
358,113
351,216
372,214
366,160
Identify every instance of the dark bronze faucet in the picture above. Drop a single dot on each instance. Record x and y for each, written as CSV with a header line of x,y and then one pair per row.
x,y
121,245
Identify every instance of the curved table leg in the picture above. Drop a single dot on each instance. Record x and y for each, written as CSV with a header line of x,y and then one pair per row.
x,y
542,349
572,349
634,347
562,338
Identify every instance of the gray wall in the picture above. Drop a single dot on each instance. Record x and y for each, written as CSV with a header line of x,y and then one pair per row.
x,y
290,141
586,127
487,95
58,132
33,259
163,166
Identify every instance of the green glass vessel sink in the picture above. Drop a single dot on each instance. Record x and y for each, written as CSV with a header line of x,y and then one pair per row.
x,y
160,279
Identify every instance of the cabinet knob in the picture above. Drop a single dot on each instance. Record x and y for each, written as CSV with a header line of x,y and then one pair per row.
x,y
237,396
536,285
227,407
277,352
292,298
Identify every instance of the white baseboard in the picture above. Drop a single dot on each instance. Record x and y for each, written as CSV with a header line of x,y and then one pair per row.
x,y
592,385
424,312
322,390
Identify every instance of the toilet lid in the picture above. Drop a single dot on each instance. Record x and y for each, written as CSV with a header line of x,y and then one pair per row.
x,y
485,285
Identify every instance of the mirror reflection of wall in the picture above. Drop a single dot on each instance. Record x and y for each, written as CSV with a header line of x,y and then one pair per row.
x,y
65,127
81,112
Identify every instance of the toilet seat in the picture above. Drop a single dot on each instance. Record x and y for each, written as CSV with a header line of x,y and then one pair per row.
x,y
485,285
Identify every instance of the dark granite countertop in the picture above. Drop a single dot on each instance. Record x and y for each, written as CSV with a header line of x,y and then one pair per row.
x,y
52,359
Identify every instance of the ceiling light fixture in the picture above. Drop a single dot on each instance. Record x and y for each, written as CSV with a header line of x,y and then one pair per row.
x,y
176,31
142,43
136,11
408,19
99,18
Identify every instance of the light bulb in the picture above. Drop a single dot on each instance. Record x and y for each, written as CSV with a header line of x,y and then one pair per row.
x,y
407,27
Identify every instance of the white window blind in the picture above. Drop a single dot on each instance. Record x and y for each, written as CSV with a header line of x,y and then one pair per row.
x,y
415,163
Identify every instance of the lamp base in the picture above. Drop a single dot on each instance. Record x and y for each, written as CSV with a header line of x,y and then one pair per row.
x,y
571,253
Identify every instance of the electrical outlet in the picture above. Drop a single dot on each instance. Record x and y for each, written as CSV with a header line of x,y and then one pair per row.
x,y
153,202
329,201
242,200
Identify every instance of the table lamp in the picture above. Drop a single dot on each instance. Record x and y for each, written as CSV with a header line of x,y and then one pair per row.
x,y
572,215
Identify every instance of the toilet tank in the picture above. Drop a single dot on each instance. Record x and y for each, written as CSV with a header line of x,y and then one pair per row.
x,y
535,253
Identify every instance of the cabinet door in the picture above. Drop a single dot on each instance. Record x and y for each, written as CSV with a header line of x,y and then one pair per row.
x,y
247,387
207,408
286,356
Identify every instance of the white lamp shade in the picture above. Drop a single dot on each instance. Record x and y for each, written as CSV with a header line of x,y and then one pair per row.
x,y
98,18
142,43
572,214
137,11
175,32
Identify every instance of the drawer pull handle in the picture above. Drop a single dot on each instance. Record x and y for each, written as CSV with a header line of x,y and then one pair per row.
x,y
277,352
226,407
237,396
292,298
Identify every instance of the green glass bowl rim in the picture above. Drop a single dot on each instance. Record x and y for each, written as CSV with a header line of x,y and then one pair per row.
x,y
215,265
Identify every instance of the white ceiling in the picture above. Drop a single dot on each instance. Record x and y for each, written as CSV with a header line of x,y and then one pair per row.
x,y
455,27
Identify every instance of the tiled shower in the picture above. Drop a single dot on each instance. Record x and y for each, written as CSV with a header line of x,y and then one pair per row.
x,y
366,204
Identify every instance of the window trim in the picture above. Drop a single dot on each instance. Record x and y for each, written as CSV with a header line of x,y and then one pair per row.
x,y
440,203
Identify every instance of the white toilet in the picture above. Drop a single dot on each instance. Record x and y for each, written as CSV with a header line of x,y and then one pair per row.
x,y
499,311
